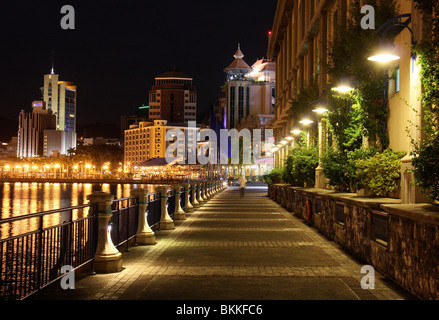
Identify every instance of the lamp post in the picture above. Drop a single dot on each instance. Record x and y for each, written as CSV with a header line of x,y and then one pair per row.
x,y
386,54
319,170
306,122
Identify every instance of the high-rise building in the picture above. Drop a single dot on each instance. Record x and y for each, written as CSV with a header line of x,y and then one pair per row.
x,y
248,94
173,98
60,97
31,129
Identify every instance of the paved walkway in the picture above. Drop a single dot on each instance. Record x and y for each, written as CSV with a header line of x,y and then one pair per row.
x,y
234,248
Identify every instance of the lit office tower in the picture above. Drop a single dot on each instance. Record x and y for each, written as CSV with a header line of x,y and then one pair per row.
x,y
60,97
31,130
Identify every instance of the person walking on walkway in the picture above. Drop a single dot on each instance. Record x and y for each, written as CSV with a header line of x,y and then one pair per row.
x,y
242,184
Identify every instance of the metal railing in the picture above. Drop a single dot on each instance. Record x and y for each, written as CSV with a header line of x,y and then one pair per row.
x,y
171,203
124,221
154,210
33,260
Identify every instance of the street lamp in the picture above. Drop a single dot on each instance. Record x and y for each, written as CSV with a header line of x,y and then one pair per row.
x,y
306,122
343,87
320,111
386,52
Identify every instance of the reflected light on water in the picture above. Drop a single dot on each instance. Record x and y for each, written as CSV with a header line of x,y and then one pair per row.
x,y
24,198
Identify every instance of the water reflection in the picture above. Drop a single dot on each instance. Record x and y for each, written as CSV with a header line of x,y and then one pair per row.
x,y
19,199
24,198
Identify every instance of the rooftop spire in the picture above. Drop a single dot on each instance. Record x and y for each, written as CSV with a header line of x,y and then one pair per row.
x,y
238,65
239,53
52,71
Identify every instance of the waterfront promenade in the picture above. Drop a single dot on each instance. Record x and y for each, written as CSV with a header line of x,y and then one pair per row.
x,y
233,248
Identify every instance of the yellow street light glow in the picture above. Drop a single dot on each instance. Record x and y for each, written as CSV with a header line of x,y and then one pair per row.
x,y
320,110
384,54
284,142
306,122
289,138
296,131
384,57
342,89
57,165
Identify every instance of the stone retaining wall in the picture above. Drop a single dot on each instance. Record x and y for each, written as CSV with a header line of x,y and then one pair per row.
x,y
400,241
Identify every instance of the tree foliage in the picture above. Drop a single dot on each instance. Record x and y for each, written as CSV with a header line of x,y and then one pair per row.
x,y
301,166
365,110
381,173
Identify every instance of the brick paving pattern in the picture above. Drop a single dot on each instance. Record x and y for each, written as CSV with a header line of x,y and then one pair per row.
x,y
234,248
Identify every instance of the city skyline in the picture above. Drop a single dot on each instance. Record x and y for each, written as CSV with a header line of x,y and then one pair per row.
x,y
115,51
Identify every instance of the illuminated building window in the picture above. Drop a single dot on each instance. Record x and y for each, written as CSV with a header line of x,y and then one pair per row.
x,y
240,103
232,107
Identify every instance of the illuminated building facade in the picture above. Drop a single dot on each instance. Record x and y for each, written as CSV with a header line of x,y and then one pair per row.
x,y
302,32
31,129
248,94
147,140
173,98
60,98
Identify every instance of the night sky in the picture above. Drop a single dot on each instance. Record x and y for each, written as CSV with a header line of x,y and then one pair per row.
x,y
118,47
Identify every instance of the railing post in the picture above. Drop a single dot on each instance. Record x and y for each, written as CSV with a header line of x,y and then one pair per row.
x,y
145,236
179,213
107,258
213,188
166,222
188,208
195,202
204,188
200,193
209,189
